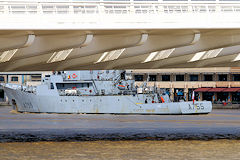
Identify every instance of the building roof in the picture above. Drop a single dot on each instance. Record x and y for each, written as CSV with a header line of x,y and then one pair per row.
x,y
216,90
202,89
232,89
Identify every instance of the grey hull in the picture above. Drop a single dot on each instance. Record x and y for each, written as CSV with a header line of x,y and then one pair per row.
x,y
116,104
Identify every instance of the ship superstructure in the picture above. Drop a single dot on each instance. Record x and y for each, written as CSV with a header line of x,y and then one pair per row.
x,y
109,91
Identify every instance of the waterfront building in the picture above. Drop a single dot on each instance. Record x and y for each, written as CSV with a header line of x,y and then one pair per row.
x,y
218,85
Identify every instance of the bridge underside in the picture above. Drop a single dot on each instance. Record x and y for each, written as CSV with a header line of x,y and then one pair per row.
x,y
46,35
38,50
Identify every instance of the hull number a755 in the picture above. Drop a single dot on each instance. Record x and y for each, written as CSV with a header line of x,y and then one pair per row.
x,y
198,106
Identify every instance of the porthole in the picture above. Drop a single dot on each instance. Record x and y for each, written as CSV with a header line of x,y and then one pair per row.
x,y
118,100
65,100
82,100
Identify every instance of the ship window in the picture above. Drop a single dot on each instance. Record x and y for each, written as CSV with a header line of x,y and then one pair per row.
x,y
51,86
1,78
14,79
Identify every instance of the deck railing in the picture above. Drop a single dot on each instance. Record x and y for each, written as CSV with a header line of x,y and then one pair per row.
x,y
106,7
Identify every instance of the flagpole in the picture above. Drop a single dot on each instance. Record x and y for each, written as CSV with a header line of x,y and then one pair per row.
x,y
193,96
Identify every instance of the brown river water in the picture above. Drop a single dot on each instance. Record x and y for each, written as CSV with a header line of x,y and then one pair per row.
x,y
121,150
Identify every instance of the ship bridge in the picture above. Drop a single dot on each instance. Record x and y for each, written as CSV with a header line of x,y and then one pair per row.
x,y
71,35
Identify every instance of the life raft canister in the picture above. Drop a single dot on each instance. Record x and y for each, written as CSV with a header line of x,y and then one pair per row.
x,y
74,75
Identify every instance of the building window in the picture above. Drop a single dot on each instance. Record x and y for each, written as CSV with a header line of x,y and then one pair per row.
x,y
14,79
178,94
2,79
193,77
236,77
1,95
222,77
138,77
208,96
179,77
165,77
222,96
208,77
152,77
235,97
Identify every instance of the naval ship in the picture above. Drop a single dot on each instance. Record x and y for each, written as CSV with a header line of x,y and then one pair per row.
x,y
93,92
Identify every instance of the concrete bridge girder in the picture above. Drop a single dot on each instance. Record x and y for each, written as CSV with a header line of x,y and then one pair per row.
x,y
103,43
211,40
132,57
174,62
49,43
9,42
99,43
226,55
161,42
153,43
185,59
33,63
212,62
217,61
208,40
182,61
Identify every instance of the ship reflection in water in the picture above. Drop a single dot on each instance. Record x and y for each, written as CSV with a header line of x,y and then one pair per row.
x,y
181,149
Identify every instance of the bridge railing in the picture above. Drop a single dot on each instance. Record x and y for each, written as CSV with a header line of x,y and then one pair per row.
x,y
87,7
